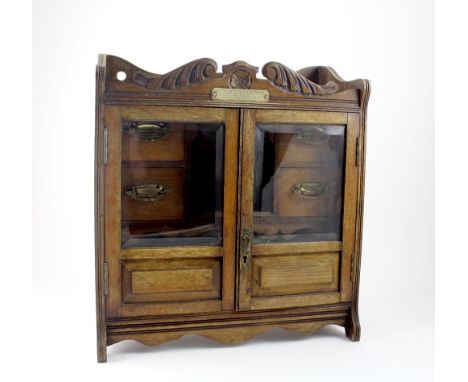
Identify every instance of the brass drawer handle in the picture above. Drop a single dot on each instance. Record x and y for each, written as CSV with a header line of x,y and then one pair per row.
x,y
312,135
309,190
147,192
148,131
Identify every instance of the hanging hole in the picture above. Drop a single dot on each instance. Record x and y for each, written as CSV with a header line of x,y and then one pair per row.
x,y
121,76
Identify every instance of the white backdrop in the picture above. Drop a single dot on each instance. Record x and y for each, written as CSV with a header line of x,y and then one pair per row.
x,y
389,42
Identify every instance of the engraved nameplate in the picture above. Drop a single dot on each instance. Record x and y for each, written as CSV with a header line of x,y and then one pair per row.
x,y
240,95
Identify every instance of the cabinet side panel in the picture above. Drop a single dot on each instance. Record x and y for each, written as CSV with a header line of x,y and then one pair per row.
x,y
99,218
360,193
353,326
112,122
349,210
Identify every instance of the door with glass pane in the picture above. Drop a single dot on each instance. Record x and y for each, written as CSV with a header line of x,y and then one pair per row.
x,y
170,209
296,235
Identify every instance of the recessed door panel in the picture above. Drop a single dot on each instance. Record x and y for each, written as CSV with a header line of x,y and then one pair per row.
x,y
171,280
168,198
295,274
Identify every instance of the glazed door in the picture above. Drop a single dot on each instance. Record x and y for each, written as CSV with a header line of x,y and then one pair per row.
x,y
297,225
170,189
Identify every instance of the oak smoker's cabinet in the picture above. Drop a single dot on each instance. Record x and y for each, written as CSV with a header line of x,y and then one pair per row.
x,y
226,205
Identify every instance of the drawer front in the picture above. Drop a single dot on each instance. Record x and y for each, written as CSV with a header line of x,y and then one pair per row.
x,y
171,280
290,148
295,274
166,146
169,205
307,192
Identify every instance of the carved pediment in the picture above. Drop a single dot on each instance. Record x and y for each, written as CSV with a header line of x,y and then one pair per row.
x,y
294,82
201,77
185,76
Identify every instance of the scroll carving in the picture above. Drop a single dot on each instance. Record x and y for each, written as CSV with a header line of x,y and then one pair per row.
x,y
185,76
281,81
294,82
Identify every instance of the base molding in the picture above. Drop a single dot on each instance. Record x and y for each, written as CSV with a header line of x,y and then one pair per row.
x,y
225,327
230,335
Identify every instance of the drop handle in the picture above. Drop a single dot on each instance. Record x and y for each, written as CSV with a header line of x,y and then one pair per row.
x,y
147,130
245,250
147,192
309,190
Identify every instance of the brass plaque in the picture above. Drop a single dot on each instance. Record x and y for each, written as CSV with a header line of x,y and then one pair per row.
x,y
240,95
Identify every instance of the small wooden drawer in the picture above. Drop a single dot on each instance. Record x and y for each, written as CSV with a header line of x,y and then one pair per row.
x,y
295,274
152,193
326,146
171,280
308,192
167,145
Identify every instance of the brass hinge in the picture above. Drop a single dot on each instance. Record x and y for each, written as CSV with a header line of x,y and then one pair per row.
x,y
105,145
358,151
106,279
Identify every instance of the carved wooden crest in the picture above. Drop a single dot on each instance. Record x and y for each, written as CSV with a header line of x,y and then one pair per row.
x,y
187,75
201,77
293,82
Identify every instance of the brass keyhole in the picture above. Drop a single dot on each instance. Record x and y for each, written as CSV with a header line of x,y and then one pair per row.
x,y
245,249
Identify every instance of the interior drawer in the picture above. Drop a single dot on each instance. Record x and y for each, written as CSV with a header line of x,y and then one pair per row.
x,y
169,205
308,192
295,274
168,146
312,144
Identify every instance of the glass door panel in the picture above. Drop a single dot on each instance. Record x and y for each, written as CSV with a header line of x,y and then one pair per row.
x,y
172,183
296,221
298,182
171,221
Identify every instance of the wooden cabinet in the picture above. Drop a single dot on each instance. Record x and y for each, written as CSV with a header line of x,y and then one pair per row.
x,y
226,205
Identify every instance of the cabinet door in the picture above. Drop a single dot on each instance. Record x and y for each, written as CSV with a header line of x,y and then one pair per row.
x,y
170,209
298,208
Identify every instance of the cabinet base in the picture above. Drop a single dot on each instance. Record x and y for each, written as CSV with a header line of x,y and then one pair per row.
x,y
229,327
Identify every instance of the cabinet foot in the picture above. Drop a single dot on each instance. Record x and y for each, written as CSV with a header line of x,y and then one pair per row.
x,y
102,353
353,327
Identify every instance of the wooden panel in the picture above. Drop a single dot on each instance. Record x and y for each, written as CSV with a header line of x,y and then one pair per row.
x,y
171,252
170,206
167,148
290,204
166,308
296,116
297,274
171,280
294,248
176,280
293,301
174,114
